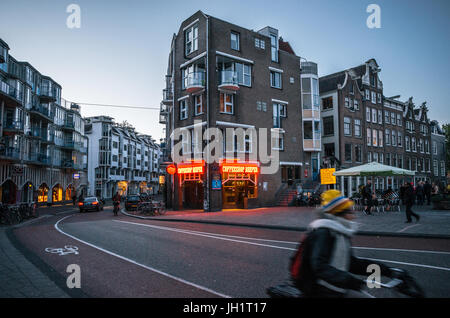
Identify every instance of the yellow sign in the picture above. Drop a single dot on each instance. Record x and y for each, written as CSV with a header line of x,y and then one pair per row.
x,y
162,180
326,176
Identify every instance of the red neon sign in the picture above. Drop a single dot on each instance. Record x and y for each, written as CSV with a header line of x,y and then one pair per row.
x,y
190,169
240,168
171,169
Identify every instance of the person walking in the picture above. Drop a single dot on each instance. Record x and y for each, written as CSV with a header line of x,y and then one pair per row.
x,y
409,201
420,193
427,191
74,199
367,196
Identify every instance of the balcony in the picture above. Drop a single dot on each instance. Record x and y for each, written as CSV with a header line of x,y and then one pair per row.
x,y
38,158
14,97
311,145
69,124
229,80
46,95
10,153
41,111
13,126
195,82
167,96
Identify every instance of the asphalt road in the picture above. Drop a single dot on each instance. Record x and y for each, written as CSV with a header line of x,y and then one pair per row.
x,y
126,257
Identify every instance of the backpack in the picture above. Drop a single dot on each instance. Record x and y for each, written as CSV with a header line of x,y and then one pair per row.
x,y
297,264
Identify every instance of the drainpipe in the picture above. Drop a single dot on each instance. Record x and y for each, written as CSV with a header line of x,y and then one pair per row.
x,y
208,207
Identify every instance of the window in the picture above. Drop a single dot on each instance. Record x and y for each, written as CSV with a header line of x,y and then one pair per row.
x,y
275,79
260,44
380,138
399,120
198,104
394,138
435,152
399,139
235,41
388,137
427,146
356,104
379,98
191,39
435,167
358,153
400,161
327,103
369,137
328,126
393,119
347,126
421,145
386,117
369,157
183,109
413,144
407,143
380,117
367,94
368,114
375,138
347,102
374,115
274,47
226,103
279,110
278,143
348,152
443,168
388,159
357,128
374,98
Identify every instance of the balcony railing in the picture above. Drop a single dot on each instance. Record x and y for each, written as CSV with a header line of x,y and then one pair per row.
x,y
11,91
10,152
195,81
229,79
69,124
43,111
47,93
13,125
39,158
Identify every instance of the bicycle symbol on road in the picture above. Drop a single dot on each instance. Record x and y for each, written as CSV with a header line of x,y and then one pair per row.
x,y
68,249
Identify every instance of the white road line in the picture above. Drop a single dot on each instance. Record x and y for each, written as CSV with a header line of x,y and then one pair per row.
x,y
138,264
276,241
206,235
409,264
408,227
272,246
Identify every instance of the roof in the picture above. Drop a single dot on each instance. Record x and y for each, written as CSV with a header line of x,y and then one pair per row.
x,y
285,46
330,82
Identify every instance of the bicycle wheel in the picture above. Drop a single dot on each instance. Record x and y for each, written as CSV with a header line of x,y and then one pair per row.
x,y
162,209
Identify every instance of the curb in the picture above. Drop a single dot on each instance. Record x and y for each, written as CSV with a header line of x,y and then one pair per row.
x,y
287,228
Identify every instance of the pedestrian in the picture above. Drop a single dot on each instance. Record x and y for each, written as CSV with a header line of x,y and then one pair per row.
x,y
409,201
420,193
367,196
327,259
74,199
427,190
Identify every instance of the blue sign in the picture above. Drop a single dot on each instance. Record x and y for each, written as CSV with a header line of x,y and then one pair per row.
x,y
76,176
216,185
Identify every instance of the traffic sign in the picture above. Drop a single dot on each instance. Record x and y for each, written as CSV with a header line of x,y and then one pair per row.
x,y
327,177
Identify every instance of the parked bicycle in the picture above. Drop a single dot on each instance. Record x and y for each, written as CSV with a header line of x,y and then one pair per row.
x,y
14,214
151,208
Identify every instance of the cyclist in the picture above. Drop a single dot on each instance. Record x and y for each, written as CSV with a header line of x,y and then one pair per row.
x,y
328,259
116,203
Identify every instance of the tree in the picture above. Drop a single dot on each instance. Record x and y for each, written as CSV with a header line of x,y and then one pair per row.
x,y
125,124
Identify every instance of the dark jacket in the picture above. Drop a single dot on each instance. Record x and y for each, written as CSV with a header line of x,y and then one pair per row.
x,y
367,191
317,258
409,195
427,188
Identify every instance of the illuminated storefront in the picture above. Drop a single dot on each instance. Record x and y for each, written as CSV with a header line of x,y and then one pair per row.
x,y
43,193
190,176
239,183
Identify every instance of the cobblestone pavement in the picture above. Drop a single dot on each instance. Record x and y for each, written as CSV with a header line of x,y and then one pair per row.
x,y
19,278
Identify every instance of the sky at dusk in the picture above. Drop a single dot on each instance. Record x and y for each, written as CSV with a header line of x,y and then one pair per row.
x,y
120,53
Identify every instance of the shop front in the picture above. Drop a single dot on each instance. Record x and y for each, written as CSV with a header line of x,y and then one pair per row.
x,y
239,184
191,184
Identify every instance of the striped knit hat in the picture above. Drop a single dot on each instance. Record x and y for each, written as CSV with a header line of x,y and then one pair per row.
x,y
334,202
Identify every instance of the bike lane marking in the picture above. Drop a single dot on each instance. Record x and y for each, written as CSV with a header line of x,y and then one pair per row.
x,y
178,279
209,235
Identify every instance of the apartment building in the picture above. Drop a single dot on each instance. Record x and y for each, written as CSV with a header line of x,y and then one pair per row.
x,y
361,125
438,154
42,143
121,159
221,75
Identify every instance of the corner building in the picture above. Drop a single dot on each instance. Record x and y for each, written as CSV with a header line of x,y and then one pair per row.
x,y
221,75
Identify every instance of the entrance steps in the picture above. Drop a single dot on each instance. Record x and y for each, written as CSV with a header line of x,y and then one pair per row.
x,y
286,197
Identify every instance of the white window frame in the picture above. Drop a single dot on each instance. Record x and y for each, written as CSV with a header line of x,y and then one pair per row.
x,y
237,40
184,107
272,79
347,126
193,39
227,104
196,104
